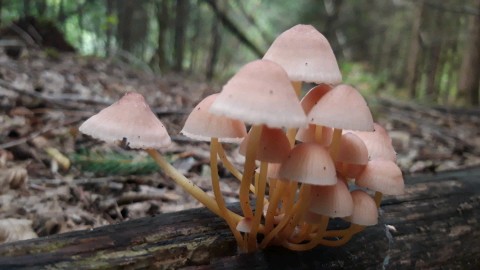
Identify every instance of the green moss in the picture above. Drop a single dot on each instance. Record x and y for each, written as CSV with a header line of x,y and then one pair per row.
x,y
113,163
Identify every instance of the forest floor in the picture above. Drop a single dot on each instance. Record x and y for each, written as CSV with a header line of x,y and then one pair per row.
x,y
54,179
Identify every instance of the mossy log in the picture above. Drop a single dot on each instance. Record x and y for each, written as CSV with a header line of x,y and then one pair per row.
x,y
436,224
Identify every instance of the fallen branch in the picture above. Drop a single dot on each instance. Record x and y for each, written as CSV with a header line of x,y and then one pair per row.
x,y
434,225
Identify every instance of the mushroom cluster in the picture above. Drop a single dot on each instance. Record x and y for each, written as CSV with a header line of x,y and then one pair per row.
x,y
307,160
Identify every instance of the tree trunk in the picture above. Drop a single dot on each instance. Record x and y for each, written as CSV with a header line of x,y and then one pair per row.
x,y
469,81
230,26
61,11
434,225
163,23
41,6
109,30
80,26
125,21
214,47
414,51
26,8
181,23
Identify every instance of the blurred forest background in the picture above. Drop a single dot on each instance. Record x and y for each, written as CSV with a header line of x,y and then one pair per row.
x,y
425,50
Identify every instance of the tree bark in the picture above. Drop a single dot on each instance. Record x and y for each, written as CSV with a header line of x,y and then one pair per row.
x,y
181,23
125,21
214,47
414,51
230,26
109,6
435,224
26,8
163,23
469,81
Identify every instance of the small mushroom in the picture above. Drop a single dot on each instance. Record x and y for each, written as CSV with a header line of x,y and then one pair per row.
x,y
131,120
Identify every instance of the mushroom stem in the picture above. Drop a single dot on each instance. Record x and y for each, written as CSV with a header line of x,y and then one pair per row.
x,y
344,232
304,232
272,206
315,240
228,165
186,184
292,132
297,85
351,231
378,198
288,216
335,146
302,208
214,146
318,133
249,170
260,190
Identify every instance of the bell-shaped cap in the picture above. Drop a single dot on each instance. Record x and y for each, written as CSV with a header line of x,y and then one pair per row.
x,y
261,93
308,135
352,150
383,176
312,97
344,108
378,143
365,210
332,201
202,125
309,163
273,147
306,55
131,120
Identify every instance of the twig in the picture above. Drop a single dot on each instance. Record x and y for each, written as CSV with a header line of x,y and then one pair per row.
x,y
74,102
37,133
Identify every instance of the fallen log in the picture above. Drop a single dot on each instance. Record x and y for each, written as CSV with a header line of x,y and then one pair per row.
x,y
436,224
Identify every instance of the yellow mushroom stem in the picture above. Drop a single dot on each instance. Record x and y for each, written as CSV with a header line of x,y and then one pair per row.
x,y
342,233
297,85
249,170
228,165
318,133
378,198
292,132
318,237
191,188
288,198
354,228
298,215
214,146
280,186
303,202
185,183
260,191
335,145
303,234
351,231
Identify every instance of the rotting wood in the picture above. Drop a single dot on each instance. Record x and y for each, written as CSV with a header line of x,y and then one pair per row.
x,y
434,225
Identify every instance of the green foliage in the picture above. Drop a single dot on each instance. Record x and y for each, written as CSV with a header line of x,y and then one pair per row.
x,y
362,78
113,163
379,33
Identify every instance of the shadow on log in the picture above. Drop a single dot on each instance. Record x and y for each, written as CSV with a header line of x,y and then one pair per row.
x,y
434,225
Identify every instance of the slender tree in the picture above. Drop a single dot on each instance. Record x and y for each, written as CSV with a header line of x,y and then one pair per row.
x,y
214,47
181,24
414,50
469,82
